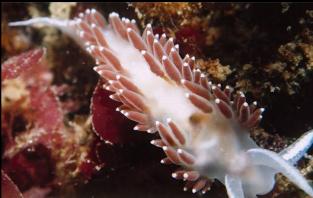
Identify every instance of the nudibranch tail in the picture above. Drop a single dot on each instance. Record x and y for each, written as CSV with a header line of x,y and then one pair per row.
x,y
202,127
40,20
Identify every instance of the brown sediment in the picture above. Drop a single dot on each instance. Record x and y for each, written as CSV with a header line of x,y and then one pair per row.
x,y
215,69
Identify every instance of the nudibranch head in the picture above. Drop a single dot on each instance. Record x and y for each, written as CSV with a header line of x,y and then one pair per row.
x,y
201,126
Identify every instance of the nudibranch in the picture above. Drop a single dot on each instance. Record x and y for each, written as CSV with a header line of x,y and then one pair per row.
x,y
202,127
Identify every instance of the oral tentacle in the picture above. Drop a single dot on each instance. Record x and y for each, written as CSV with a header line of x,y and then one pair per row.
x,y
234,187
273,160
298,149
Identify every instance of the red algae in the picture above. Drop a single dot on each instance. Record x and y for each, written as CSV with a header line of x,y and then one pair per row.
x,y
8,188
191,40
109,124
26,167
17,65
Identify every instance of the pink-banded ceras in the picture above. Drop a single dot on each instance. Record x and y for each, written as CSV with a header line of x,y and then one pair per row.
x,y
202,127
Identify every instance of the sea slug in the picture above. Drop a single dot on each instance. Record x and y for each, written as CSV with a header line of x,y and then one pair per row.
x,y
202,127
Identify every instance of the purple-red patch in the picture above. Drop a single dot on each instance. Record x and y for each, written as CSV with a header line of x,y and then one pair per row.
x,y
109,124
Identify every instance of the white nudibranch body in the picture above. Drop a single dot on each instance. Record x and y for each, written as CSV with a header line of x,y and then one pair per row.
x,y
201,126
